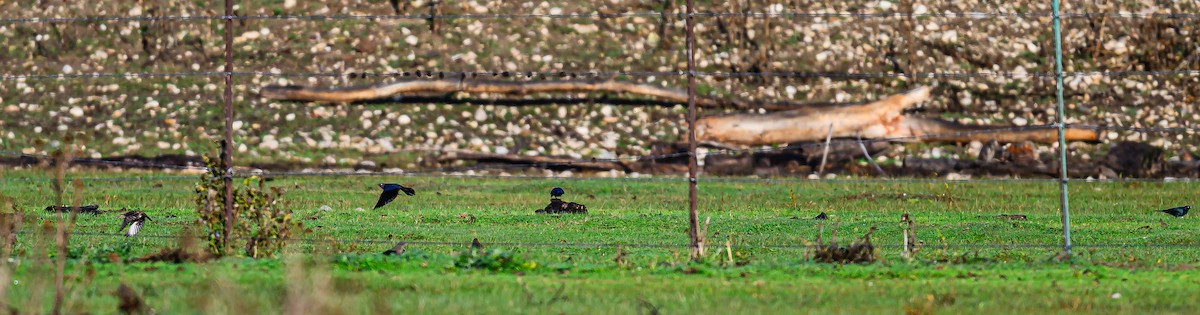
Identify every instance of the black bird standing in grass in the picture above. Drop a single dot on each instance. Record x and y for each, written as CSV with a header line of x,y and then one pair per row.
x,y
134,220
1178,212
390,191
821,216
397,250
556,192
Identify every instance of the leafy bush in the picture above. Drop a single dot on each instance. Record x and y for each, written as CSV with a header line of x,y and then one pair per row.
x,y
375,262
492,259
259,217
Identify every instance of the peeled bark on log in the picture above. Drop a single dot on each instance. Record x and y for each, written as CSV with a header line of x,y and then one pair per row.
x,y
809,124
883,119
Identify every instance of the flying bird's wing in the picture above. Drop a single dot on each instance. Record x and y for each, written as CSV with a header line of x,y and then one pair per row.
x,y
387,196
127,219
408,191
134,228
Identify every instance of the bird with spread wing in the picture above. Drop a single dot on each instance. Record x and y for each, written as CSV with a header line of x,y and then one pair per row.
x,y
390,192
134,220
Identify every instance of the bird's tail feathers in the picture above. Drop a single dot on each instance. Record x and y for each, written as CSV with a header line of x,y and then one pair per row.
x,y
408,191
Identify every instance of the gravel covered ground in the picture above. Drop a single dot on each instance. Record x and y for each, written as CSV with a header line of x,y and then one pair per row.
x,y
158,115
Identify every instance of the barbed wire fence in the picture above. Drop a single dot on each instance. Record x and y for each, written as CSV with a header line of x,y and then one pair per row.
x,y
228,73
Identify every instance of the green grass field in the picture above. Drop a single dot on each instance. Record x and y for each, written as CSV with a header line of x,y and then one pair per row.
x,y
1125,261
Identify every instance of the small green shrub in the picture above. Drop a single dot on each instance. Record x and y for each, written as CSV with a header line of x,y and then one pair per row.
x,y
260,219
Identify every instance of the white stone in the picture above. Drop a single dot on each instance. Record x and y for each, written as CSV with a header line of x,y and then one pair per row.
x,y
607,110
585,28
269,143
480,115
957,176
950,36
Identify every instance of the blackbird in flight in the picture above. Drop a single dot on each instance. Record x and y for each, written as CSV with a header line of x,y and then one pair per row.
x,y
134,220
1178,212
556,192
390,191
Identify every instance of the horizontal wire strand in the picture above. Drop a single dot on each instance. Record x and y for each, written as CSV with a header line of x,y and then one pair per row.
x,y
673,15
641,245
474,75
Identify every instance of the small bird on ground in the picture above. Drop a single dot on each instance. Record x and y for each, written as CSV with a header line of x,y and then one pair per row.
x,y
390,191
1178,212
397,250
475,244
134,220
131,302
821,216
556,192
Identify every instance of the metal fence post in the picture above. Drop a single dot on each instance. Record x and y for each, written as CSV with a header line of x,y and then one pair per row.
x,y
1062,141
693,217
226,151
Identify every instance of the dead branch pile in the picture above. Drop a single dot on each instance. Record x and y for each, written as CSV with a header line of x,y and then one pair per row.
x,y
859,252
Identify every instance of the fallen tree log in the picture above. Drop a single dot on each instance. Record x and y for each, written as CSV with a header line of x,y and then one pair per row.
x,y
435,91
788,123
442,86
541,161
